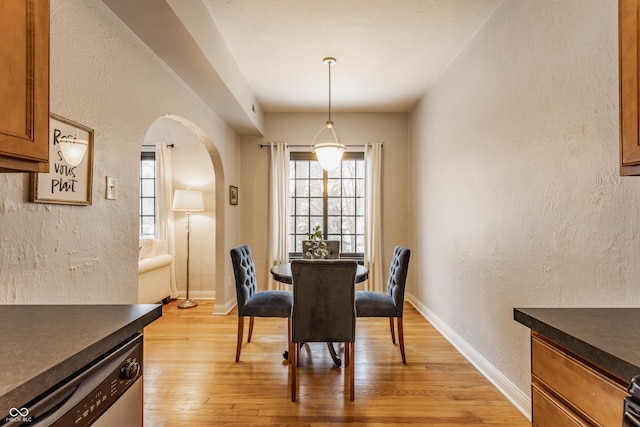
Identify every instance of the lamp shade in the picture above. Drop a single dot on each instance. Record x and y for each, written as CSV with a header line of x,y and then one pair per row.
x,y
329,154
73,150
188,201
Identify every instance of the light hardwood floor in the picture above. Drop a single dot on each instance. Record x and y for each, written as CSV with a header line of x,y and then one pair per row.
x,y
191,378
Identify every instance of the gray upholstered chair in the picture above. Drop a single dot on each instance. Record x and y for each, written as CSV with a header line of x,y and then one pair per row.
x,y
391,303
323,309
252,303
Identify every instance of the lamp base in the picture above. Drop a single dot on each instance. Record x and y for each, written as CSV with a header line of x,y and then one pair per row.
x,y
188,303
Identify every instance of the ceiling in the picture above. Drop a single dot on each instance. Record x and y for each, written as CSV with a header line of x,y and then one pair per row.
x,y
268,54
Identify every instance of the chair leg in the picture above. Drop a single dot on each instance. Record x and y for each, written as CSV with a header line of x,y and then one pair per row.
x,y
289,337
347,358
401,339
240,335
393,334
293,357
352,370
250,328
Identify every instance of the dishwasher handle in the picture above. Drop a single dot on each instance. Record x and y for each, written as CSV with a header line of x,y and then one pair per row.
x,y
631,420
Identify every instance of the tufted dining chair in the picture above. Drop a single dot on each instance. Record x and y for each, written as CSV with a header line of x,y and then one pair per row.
x,y
391,303
252,303
323,309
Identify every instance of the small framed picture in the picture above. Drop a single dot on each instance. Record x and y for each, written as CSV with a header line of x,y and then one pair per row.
x,y
64,183
233,195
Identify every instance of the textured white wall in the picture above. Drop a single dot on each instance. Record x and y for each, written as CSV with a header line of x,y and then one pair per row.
x,y
103,77
516,198
299,129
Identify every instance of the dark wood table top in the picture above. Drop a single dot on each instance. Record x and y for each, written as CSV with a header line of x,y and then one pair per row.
x,y
282,273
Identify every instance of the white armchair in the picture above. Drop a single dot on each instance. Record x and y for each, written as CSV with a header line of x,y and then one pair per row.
x,y
154,272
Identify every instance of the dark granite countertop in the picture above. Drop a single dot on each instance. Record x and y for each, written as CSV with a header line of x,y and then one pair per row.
x,y
604,336
44,344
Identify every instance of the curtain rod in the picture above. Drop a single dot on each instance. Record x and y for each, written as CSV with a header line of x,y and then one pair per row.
x,y
311,146
149,146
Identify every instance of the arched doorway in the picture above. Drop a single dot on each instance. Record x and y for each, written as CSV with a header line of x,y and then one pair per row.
x,y
196,164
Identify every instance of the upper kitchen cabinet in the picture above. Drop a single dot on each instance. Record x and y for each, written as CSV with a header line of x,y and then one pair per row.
x,y
629,100
24,85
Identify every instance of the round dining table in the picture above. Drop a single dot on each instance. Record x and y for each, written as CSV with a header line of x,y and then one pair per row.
x,y
282,273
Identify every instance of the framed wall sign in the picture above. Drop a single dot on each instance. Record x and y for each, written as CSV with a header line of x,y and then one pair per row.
x,y
64,184
233,195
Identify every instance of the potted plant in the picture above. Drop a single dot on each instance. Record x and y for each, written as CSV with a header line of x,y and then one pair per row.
x,y
316,245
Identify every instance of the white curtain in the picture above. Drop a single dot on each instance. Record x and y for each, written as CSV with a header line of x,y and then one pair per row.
x,y
278,208
164,182
373,218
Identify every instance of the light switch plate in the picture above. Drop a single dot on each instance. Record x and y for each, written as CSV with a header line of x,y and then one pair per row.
x,y
112,188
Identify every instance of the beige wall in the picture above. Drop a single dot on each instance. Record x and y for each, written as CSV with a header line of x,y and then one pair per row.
x,y
516,198
104,77
299,129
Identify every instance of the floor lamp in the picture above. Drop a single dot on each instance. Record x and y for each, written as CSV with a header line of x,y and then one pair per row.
x,y
188,201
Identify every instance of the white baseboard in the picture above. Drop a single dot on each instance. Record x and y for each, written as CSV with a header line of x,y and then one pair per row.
x,y
225,308
196,295
520,400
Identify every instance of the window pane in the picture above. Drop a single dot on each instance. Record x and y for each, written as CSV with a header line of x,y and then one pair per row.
x,y
333,206
333,188
292,187
302,169
334,225
147,169
360,206
315,221
316,170
302,206
148,226
302,188
317,188
302,224
360,243
316,207
348,188
335,173
148,188
360,225
348,225
347,244
348,206
360,187
348,169
148,206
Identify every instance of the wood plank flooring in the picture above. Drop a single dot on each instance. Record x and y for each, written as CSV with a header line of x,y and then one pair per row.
x,y
191,378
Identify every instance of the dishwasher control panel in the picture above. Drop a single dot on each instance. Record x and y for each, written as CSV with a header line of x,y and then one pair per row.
x,y
87,394
110,390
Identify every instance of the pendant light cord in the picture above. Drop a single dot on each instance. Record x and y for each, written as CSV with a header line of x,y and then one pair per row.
x,y
329,90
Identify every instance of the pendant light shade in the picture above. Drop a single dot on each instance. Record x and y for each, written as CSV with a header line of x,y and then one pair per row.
x,y
326,143
73,149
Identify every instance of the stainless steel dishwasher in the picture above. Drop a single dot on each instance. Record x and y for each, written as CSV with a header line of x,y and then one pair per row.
x,y
107,392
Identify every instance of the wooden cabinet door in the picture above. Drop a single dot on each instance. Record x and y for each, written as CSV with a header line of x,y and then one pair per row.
x,y
24,85
629,113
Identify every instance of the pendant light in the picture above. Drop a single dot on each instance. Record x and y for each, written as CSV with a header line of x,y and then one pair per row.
x,y
73,149
326,143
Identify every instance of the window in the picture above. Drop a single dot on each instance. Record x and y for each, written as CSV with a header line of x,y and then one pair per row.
x,y
334,200
147,195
